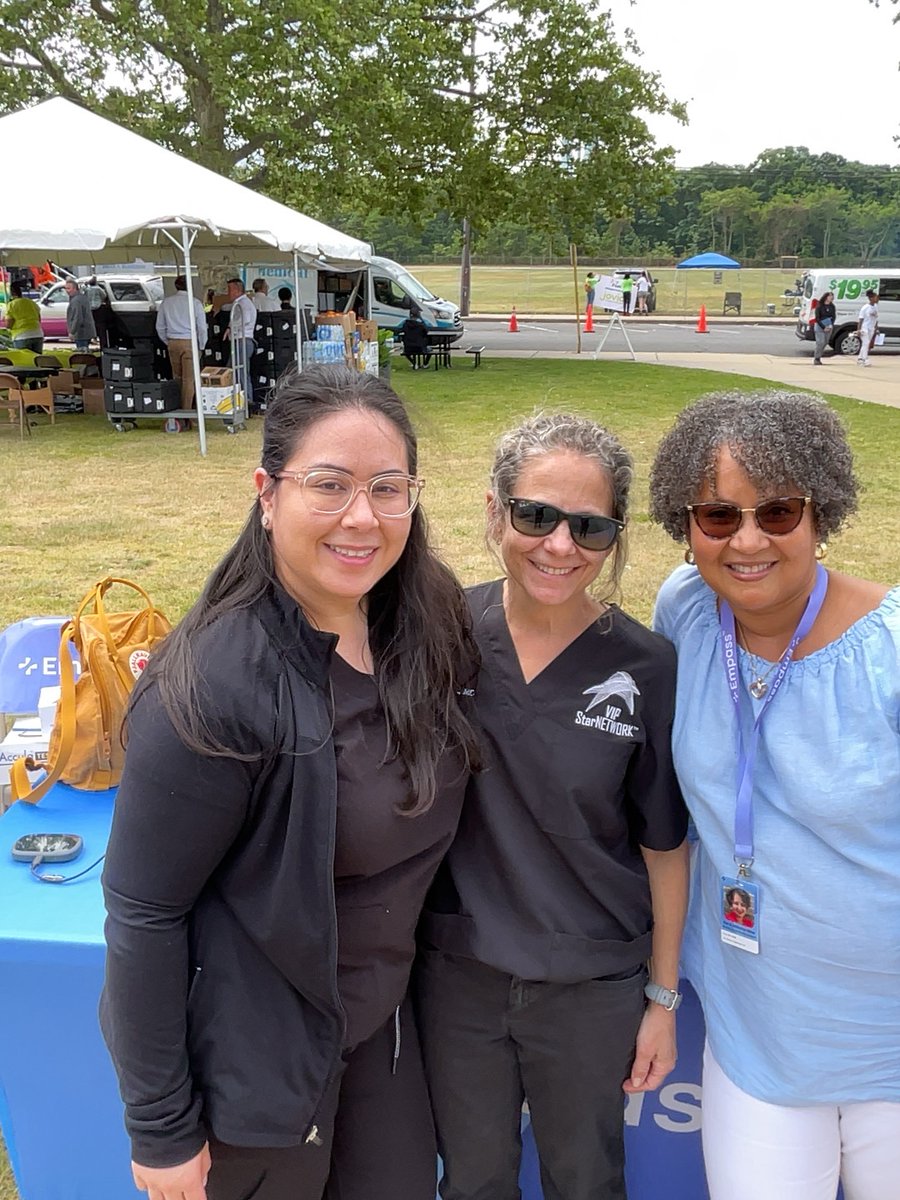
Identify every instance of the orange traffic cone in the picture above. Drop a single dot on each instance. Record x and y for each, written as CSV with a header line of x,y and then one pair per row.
x,y
589,319
513,323
701,324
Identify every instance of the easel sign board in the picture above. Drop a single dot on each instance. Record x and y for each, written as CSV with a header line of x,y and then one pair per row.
x,y
608,293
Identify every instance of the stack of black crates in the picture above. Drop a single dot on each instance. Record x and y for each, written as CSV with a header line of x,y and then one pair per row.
x,y
276,351
275,337
137,373
217,352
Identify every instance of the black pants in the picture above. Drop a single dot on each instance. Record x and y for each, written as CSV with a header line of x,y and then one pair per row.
x,y
376,1132
491,1040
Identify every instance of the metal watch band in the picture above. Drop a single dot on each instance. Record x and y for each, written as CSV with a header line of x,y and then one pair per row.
x,y
662,995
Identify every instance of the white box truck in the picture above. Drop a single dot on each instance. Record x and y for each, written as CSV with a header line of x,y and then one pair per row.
x,y
383,291
850,287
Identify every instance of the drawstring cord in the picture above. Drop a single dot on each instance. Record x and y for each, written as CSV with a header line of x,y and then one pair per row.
x,y
396,1039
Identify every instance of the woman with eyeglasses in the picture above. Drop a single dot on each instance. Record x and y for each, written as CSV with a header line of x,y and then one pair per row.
x,y
297,758
569,870
787,745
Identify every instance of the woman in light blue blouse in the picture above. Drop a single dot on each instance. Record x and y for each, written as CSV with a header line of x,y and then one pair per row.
x,y
787,746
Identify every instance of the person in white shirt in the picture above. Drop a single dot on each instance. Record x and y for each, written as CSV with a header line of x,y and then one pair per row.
x,y
241,328
643,291
867,327
173,325
261,298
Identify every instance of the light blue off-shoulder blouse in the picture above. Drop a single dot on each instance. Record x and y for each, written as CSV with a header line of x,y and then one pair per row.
x,y
815,1017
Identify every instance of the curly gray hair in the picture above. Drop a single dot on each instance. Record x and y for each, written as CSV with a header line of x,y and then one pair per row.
x,y
547,433
783,440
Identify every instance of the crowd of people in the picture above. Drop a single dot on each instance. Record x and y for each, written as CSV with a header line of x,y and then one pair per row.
x,y
390,858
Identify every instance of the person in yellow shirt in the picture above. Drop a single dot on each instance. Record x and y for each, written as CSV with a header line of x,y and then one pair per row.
x,y
23,320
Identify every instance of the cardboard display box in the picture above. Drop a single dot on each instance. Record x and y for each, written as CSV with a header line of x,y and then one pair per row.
x,y
217,401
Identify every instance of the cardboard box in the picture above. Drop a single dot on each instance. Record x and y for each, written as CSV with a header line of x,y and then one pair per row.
x,y
92,396
25,737
217,401
65,383
217,377
346,321
368,331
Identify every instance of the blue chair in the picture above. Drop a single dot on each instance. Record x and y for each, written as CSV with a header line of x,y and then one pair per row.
x,y
29,652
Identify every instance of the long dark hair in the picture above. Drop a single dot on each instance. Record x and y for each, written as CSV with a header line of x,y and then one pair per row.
x,y
419,625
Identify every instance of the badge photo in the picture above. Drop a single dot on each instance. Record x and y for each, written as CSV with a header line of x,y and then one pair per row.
x,y
739,901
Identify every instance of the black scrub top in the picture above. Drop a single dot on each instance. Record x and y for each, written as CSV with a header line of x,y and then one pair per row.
x,y
384,861
545,878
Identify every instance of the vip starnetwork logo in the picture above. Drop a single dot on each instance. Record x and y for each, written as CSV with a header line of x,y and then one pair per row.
x,y
619,684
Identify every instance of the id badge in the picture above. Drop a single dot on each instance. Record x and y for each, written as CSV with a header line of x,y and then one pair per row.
x,y
739,911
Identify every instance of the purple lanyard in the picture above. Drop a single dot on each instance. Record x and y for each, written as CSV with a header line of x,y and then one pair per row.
x,y
743,816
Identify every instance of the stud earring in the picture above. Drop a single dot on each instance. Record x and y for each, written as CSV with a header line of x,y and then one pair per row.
x,y
689,557
821,550
265,520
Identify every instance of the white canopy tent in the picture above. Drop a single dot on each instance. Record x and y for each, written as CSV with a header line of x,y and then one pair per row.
x,y
146,202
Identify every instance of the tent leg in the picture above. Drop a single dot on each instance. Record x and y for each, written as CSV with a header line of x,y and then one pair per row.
x,y
297,311
195,345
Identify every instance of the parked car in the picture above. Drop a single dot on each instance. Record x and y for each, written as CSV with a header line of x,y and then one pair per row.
x,y
635,272
127,293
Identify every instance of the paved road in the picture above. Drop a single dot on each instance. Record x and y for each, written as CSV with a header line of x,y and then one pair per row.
x,y
540,336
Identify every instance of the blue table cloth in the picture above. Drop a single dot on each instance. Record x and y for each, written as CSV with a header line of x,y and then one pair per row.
x,y
59,1105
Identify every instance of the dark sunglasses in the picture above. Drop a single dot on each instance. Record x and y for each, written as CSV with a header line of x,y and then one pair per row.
x,y
590,532
774,517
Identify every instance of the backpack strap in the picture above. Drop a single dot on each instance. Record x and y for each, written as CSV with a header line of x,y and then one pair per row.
x,y
95,595
19,783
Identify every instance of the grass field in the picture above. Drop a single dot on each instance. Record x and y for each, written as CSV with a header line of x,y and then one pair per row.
x,y
551,289
84,502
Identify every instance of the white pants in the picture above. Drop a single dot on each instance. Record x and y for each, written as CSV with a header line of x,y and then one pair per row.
x,y
865,339
759,1151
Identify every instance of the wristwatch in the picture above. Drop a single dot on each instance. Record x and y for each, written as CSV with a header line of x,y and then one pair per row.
x,y
662,995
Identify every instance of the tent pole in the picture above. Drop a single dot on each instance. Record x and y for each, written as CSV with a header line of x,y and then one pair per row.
x,y
195,345
297,311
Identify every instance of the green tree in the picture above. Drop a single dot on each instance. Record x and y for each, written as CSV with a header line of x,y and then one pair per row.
x,y
298,97
732,211
524,110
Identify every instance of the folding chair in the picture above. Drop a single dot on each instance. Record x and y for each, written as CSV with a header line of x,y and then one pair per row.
x,y
12,399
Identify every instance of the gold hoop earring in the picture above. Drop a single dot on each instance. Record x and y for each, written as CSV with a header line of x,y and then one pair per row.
x,y
821,551
689,557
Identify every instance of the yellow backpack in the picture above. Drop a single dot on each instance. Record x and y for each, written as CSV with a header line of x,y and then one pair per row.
x,y
86,748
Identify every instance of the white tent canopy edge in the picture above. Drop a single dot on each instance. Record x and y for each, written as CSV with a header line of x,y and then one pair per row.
x,y
151,203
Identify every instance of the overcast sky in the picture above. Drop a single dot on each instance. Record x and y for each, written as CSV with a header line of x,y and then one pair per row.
x,y
766,73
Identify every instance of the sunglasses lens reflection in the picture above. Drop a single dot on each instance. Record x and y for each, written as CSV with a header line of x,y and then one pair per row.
x,y
539,520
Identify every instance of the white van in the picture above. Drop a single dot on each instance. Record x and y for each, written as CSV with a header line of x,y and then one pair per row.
x,y
383,291
850,289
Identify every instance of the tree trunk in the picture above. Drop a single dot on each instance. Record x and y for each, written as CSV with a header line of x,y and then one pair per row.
x,y
465,269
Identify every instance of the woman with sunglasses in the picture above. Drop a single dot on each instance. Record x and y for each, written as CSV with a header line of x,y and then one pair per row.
x,y
787,744
296,765
569,870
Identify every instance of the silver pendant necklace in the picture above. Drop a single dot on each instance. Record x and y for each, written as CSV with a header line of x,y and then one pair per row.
x,y
759,684
759,679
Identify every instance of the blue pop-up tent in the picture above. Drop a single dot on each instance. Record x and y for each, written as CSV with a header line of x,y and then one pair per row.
x,y
716,262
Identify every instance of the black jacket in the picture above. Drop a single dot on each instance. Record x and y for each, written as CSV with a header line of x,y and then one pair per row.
x,y
220,1007
825,310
